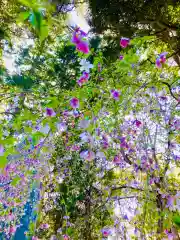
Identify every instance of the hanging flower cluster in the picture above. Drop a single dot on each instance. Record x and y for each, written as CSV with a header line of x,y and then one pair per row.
x,y
79,40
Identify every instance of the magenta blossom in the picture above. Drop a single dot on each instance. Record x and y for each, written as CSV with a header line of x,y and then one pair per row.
x,y
82,46
124,42
50,112
161,59
115,94
137,123
75,38
74,103
106,232
84,78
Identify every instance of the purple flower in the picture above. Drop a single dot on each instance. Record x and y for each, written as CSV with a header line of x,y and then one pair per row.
x,y
106,232
50,112
125,217
121,57
1,150
77,39
74,103
66,237
115,94
84,78
161,59
124,42
83,47
170,202
169,235
44,226
137,123
116,159
87,155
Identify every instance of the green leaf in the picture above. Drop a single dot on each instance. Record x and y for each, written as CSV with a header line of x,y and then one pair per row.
x,y
176,220
36,20
3,161
26,3
15,181
43,32
23,16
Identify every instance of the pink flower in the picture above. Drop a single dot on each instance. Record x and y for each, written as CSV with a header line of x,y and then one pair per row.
x,y
77,39
86,75
115,94
74,103
161,59
10,217
1,150
35,238
82,46
106,232
12,229
83,78
138,123
50,112
66,237
124,42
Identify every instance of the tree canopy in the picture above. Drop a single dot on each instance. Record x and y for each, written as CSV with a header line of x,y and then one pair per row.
x,y
138,18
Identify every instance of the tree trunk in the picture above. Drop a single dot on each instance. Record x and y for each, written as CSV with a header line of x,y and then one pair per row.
x,y
160,209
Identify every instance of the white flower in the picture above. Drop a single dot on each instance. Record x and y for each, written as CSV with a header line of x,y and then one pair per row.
x,y
85,65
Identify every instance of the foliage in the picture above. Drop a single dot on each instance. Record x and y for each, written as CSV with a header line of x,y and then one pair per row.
x,y
142,18
103,152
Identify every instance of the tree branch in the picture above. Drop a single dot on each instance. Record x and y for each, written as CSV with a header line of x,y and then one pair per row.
x,y
170,90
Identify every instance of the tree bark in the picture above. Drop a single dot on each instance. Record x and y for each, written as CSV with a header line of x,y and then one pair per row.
x,y
160,209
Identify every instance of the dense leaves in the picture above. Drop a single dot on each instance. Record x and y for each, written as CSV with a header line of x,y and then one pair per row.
x,y
89,143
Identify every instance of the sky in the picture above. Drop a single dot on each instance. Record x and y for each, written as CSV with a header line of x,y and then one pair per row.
x,y
75,18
